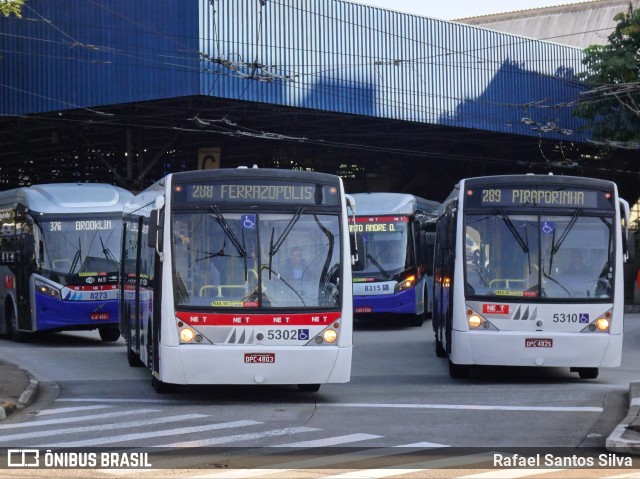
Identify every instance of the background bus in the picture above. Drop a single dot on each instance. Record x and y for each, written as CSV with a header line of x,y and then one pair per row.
x,y
508,287
398,238
59,258
239,277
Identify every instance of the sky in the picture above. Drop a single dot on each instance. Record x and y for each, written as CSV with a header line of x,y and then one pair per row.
x,y
451,9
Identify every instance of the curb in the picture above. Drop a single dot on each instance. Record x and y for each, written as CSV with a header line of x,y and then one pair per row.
x,y
626,436
26,398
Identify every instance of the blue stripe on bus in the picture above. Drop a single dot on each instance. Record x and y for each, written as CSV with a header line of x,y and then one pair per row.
x,y
401,303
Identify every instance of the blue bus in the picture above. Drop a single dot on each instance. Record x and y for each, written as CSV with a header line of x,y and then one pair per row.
x,y
59,258
398,232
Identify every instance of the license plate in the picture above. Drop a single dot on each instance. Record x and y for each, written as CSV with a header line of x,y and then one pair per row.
x,y
364,309
259,358
538,343
99,316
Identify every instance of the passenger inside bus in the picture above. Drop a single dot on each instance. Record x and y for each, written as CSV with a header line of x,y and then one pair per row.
x,y
576,264
296,266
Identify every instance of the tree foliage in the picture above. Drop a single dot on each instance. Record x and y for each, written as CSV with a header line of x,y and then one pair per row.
x,y
8,7
612,104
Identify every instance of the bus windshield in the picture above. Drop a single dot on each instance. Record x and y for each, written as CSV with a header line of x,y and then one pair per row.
x,y
77,245
257,260
388,250
539,256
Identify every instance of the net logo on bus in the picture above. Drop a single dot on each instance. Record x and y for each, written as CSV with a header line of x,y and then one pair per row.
x,y
495,308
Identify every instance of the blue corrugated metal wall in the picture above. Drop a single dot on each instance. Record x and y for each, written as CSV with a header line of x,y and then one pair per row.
x,y
321,54
65,54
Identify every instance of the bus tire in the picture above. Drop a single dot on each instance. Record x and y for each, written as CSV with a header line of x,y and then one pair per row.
x,y
309,388
458,371
440,351
588,373
133,359
161,387
109,335
417,320
12,327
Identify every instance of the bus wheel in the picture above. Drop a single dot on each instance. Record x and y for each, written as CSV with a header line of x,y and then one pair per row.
x,y
440,351
12,327
133,359
161,387
588,373
417,320
109,335
309,388
458,371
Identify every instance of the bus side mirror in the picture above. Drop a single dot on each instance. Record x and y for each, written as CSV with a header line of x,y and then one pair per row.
x,y
155,236
357,251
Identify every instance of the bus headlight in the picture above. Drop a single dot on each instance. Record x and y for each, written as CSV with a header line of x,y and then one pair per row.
x,y
602,324
474,321
408,282
330,336
187,335
44,288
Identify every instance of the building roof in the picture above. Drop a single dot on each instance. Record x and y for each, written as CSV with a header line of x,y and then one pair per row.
x,y
578,24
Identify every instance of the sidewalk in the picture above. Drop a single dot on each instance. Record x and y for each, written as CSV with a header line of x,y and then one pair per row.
x,y
18,388
625,438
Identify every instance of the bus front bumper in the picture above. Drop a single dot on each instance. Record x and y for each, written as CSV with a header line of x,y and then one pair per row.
x,y
509,348
206,364
399,303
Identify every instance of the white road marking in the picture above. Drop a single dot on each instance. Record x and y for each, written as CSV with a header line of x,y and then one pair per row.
x,y
467,407
64,410
102,427
330,441
240,437
151,434
66,420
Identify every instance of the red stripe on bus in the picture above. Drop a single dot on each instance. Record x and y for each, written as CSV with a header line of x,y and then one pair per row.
x,y
230,319
381,219
101,287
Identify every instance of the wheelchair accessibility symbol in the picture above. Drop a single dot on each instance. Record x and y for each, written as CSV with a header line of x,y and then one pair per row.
x,y
548,227
249,221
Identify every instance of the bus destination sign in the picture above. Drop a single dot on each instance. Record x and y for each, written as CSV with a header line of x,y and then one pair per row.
x,y
538,196
257,192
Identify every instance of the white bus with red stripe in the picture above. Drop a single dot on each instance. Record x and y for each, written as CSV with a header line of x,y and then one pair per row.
x,y
529,272
239,276
59,258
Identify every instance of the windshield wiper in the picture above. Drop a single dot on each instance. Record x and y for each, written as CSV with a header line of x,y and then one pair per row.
x,y
76,258
377,265
109,255
556,246
574,218
522,242
228,231
571,295
274,247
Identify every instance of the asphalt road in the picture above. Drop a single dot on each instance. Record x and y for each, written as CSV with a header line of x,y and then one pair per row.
x,y
400,395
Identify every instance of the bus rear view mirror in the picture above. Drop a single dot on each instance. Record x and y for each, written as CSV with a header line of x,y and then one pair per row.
x,y
154,239
357,251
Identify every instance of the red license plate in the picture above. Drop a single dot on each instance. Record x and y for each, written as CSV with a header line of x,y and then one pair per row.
x,y
364,309
99,316
538,343
259,358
